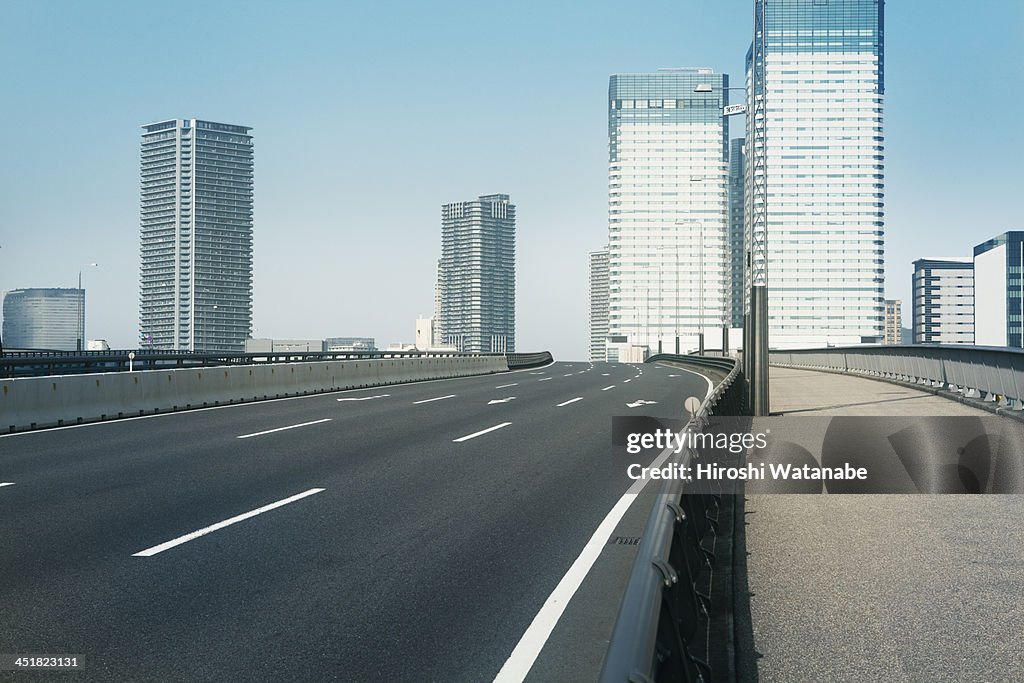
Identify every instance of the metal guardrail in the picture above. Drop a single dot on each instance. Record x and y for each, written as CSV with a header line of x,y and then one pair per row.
x,y
35,364
520,361
656,626
983,372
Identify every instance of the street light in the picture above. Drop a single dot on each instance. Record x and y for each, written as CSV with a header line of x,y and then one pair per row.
x,y
81,306
700,279
1,339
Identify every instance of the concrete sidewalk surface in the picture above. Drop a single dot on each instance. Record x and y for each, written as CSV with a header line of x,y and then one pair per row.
x,y
883,587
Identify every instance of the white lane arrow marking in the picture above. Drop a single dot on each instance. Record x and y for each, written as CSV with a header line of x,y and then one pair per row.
x,y
640,402
501,400
364,398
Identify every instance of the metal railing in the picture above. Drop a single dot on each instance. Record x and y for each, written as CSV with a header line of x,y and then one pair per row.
x,y
35,364
520,361
657,635
983,372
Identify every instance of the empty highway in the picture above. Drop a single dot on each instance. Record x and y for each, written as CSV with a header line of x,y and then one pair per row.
x,y
399,533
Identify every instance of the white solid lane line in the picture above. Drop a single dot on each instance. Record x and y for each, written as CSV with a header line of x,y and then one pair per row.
x,y
572,400
149,552
364,398
503,386
519,663
545,379
428,400
281,429
6,483
607,388
480,433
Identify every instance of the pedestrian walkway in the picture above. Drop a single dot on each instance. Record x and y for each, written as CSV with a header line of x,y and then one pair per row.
x,y
806,392
883,587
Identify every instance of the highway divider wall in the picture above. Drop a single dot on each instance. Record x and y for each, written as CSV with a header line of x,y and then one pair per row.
x,y
33,402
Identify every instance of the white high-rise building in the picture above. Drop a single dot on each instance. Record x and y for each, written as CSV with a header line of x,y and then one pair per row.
x,y
943,301
598,304
815,170
668,277
196,246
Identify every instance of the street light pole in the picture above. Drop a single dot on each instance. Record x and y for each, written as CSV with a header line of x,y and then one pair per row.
x,y
81,308
1,340
700,294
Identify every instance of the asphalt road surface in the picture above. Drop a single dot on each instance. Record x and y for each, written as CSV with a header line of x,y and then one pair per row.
x,y
400,533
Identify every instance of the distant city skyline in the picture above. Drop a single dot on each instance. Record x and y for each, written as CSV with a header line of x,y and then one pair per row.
x,y
333,159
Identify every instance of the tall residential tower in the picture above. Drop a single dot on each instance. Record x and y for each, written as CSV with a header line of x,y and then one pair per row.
x,y
476,276
667,209
196,247
814,158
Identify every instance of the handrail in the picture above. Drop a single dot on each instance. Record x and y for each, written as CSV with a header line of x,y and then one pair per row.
x,y
638,640
989,373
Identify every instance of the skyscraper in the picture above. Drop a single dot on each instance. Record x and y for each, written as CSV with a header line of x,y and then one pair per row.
x,y
50,319
999,291
476,285
598,304
943,301
196,245
815,82
736,250
668,268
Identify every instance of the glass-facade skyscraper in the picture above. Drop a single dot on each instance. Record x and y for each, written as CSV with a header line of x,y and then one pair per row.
x,y
196,236
815,148
668,272
476,276
51,319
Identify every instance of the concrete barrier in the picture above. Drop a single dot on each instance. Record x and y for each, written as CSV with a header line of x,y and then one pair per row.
x,y
34,402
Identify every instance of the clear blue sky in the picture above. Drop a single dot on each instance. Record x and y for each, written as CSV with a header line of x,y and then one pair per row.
x,y
367,116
